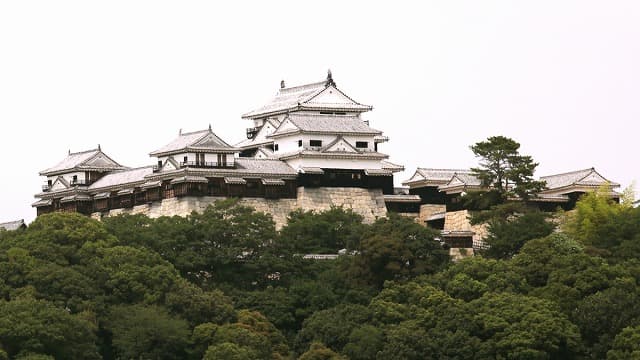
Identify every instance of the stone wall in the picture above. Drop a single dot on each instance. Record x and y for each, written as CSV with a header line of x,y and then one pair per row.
x,y
427,210
368,203
459,221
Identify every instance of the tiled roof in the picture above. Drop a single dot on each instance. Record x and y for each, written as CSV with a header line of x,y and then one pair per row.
x,y
13,225
297,96
435,176
391,166
328,124
201,140
122,177
586,177
79,160
264,166
461,179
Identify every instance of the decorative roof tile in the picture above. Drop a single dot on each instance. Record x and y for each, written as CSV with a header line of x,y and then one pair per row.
x,y
84,160
307,96
203,140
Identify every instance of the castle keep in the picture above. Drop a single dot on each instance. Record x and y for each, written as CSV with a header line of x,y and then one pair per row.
x,y
309,148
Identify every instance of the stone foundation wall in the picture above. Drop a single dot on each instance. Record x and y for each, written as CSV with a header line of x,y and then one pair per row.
x,y
427,210
368,203
458,221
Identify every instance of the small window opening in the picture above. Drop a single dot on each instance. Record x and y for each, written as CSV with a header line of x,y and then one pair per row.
x,y
315,143
362,144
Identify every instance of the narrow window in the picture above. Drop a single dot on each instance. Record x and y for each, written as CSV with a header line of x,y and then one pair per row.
x,y
75,179
315,143
299,143
186,159
222,160
275,147
362,144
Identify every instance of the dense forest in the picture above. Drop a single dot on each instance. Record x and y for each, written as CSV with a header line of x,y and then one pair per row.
x,y
224,284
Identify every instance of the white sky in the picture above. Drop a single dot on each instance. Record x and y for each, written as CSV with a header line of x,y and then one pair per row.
x,y
560,77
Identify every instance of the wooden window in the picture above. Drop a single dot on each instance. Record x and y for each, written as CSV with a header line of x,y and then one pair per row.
x,y
315,143
222,160
275,147
362,144
299,143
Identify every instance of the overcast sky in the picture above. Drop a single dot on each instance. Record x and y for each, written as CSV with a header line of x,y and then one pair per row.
x,y
560,77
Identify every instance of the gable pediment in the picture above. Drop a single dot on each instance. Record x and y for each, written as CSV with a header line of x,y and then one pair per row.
x,y
211,140
331,95
593,178
100,160
416,177
455,181
59,184
340,145
170,164
287,125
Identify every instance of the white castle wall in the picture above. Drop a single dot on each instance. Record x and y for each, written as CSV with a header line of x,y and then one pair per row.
x,y
368,203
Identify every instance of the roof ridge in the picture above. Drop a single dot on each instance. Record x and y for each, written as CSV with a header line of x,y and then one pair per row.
x,y
455,170
84,151
569,172
309,86
193,132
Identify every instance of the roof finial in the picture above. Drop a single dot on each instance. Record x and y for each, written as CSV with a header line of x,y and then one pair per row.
x,y
99,149
180,131
281,84
330,79
209,126
69,151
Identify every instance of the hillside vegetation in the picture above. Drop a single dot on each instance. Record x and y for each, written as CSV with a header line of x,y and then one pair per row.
x,y
225,284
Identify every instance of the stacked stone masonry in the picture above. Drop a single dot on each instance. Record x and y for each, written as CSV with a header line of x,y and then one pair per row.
x,y
367,202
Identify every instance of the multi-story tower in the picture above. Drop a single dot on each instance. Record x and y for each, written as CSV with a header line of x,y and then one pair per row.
x,y
320,132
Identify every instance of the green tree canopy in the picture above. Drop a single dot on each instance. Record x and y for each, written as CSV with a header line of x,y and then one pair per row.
x,y
504,170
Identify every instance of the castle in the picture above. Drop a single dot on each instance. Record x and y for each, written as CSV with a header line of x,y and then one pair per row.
x,y
309,148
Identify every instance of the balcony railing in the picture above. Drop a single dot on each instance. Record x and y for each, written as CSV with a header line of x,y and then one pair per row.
x,y
251,132
79,182
199,164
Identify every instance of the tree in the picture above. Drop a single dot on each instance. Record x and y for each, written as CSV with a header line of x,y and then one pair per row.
x,y
504,170
321,232
626,345
39,327
317,351
507,236
147,332
397,248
